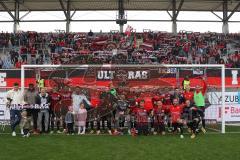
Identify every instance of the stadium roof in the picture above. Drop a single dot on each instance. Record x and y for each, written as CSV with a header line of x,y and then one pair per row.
x,y
55,5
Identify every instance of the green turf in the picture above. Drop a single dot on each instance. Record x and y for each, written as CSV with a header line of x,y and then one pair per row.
x,y
228,128
232,128
170,147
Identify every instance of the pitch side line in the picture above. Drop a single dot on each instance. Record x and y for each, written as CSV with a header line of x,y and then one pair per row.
x,y
42,135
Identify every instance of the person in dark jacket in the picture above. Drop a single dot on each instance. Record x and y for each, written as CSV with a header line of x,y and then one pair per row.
x,y
43,100
69,120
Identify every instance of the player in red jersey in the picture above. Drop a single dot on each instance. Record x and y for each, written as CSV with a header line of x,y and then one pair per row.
x,y
167,101
156,98
167,97
95,102
66,101
55,108
178,93
133,101
148,103
176,112
158,114
142,119
188,95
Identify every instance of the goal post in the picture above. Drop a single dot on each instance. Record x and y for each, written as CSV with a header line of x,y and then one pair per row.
x,y
221,69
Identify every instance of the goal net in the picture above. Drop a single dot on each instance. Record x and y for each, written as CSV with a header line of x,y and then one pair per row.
x,y
144,81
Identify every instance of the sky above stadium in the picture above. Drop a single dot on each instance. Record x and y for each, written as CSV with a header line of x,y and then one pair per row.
x,y
111,15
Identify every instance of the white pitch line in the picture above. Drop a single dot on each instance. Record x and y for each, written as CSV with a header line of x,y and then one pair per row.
x,y
213,129
42,135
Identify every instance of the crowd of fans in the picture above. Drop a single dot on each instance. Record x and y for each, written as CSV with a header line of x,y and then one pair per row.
x,y
114,47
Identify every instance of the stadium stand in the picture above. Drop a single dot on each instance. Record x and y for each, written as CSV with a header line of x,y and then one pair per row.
x,y
116,48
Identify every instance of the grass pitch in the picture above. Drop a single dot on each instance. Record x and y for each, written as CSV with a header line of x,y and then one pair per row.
x,y
91,147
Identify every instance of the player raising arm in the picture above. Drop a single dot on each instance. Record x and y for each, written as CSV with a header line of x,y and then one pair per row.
x,y
199,100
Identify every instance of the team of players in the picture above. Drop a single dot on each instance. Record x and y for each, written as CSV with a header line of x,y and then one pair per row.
x,y
142,113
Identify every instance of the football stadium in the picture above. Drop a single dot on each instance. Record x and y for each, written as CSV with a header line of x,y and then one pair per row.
x,y
119,79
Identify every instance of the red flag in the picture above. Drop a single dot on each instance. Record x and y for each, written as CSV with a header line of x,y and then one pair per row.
x,y
128,30
135,41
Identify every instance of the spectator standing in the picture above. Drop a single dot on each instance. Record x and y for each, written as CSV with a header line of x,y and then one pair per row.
x,y
14,99
43,99
30,98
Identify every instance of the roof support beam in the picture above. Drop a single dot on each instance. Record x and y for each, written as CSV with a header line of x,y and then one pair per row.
x,y
8,10
67,13
63,8
73,14
169,14
17,19
121,13
179,7
233,11
25,15
68,17
216,15
225,28
174,17
175,13
121,19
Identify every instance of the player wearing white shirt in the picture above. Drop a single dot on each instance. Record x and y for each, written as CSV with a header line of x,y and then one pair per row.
x,y
77,99
14,98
